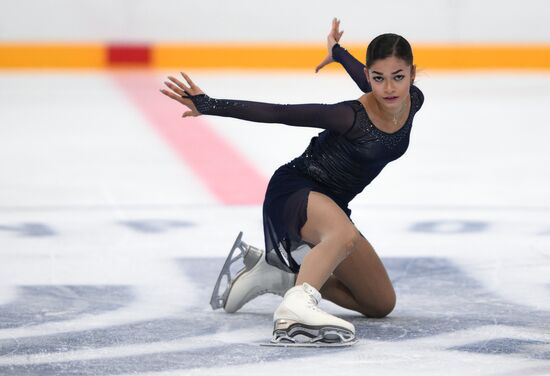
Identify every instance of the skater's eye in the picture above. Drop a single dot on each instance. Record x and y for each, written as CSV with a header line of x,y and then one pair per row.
x,y
378,78
399,77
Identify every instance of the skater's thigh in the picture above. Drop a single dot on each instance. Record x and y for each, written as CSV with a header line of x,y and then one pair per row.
x,y
361,270
363,273
327,222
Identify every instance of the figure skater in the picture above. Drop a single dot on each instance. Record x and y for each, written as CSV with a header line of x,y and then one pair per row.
x,y
313,248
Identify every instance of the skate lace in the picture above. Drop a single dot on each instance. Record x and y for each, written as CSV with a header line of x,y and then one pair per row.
x,y
312,304
313,298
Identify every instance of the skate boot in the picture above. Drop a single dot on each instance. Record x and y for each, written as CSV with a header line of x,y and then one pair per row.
x,y
298,321
256,278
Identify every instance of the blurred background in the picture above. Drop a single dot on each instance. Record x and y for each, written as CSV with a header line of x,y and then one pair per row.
x,y
168,33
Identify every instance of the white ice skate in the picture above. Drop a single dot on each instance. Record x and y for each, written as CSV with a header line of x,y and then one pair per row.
x,y
298,321
257,277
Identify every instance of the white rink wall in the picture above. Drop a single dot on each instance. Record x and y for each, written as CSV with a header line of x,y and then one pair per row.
x,y
184,21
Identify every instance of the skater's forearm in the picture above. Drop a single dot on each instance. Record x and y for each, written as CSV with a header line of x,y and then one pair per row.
x,y
354,67
338,117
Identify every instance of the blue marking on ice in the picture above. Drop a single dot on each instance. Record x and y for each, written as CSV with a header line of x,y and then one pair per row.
x,y
41,304
31,229
449,226
435,298
157,226
499,346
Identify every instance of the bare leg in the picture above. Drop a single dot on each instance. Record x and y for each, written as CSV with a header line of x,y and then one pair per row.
x,y
366,278
333,235
338,293
334,238
360,281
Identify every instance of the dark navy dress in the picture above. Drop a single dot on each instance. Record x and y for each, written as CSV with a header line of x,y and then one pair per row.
x,y
339,162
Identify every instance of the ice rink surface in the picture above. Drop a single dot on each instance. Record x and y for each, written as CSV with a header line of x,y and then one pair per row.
x,y
116,216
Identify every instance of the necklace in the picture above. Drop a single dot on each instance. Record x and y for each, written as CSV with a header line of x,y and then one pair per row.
x,y
398,114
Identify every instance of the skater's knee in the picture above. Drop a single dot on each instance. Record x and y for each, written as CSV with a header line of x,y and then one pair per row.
x,y
381,308
384,309
347,238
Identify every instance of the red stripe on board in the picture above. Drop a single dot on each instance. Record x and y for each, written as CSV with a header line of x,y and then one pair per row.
x,y
128,54
221,168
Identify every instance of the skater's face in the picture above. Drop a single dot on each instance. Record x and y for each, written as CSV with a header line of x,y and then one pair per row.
x,y
391,79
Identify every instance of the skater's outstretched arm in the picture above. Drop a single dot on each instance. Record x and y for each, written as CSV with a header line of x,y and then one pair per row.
x,y
335,52
338,117
354,67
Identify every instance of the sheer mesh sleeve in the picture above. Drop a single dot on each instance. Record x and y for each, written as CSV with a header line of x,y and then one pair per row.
x,y
337,117
353,66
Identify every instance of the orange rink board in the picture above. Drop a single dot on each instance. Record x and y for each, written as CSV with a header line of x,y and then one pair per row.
x,y
255,56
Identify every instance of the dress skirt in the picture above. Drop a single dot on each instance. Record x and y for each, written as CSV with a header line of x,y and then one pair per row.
x,y
284,215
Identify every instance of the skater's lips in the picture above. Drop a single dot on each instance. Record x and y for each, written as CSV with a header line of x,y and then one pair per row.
x,y
391,99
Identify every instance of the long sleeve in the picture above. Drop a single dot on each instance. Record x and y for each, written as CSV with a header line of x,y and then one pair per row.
x,y
337,117
353,66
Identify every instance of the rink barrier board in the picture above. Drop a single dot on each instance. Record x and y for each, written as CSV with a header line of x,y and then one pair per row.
x,y
255,56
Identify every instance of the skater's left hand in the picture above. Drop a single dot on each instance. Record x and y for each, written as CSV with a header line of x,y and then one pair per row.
x,y
333,37
181,93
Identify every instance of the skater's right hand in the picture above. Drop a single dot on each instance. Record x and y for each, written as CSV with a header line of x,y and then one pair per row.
x,y
181,93
333,37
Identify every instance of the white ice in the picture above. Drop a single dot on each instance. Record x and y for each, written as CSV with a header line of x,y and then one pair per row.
x,y
463,220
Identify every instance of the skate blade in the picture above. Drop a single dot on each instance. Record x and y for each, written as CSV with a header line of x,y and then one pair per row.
x,y
218,298
316,345
291,334
249,256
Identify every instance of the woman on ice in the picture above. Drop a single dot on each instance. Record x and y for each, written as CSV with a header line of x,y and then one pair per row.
x,y
306,202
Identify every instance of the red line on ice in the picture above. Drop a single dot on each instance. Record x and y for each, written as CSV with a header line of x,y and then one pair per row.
x,y
221,168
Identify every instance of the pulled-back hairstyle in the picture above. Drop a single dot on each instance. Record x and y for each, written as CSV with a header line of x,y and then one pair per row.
x,y
387,45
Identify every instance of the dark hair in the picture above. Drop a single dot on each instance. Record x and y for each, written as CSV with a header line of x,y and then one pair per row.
x,y
387,45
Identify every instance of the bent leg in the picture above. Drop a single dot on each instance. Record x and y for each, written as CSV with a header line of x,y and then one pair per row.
x,y
366,279
333,235
342,263
335,291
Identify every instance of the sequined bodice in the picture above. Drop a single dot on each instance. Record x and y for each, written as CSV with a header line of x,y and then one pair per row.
x,y
346,164
350,152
